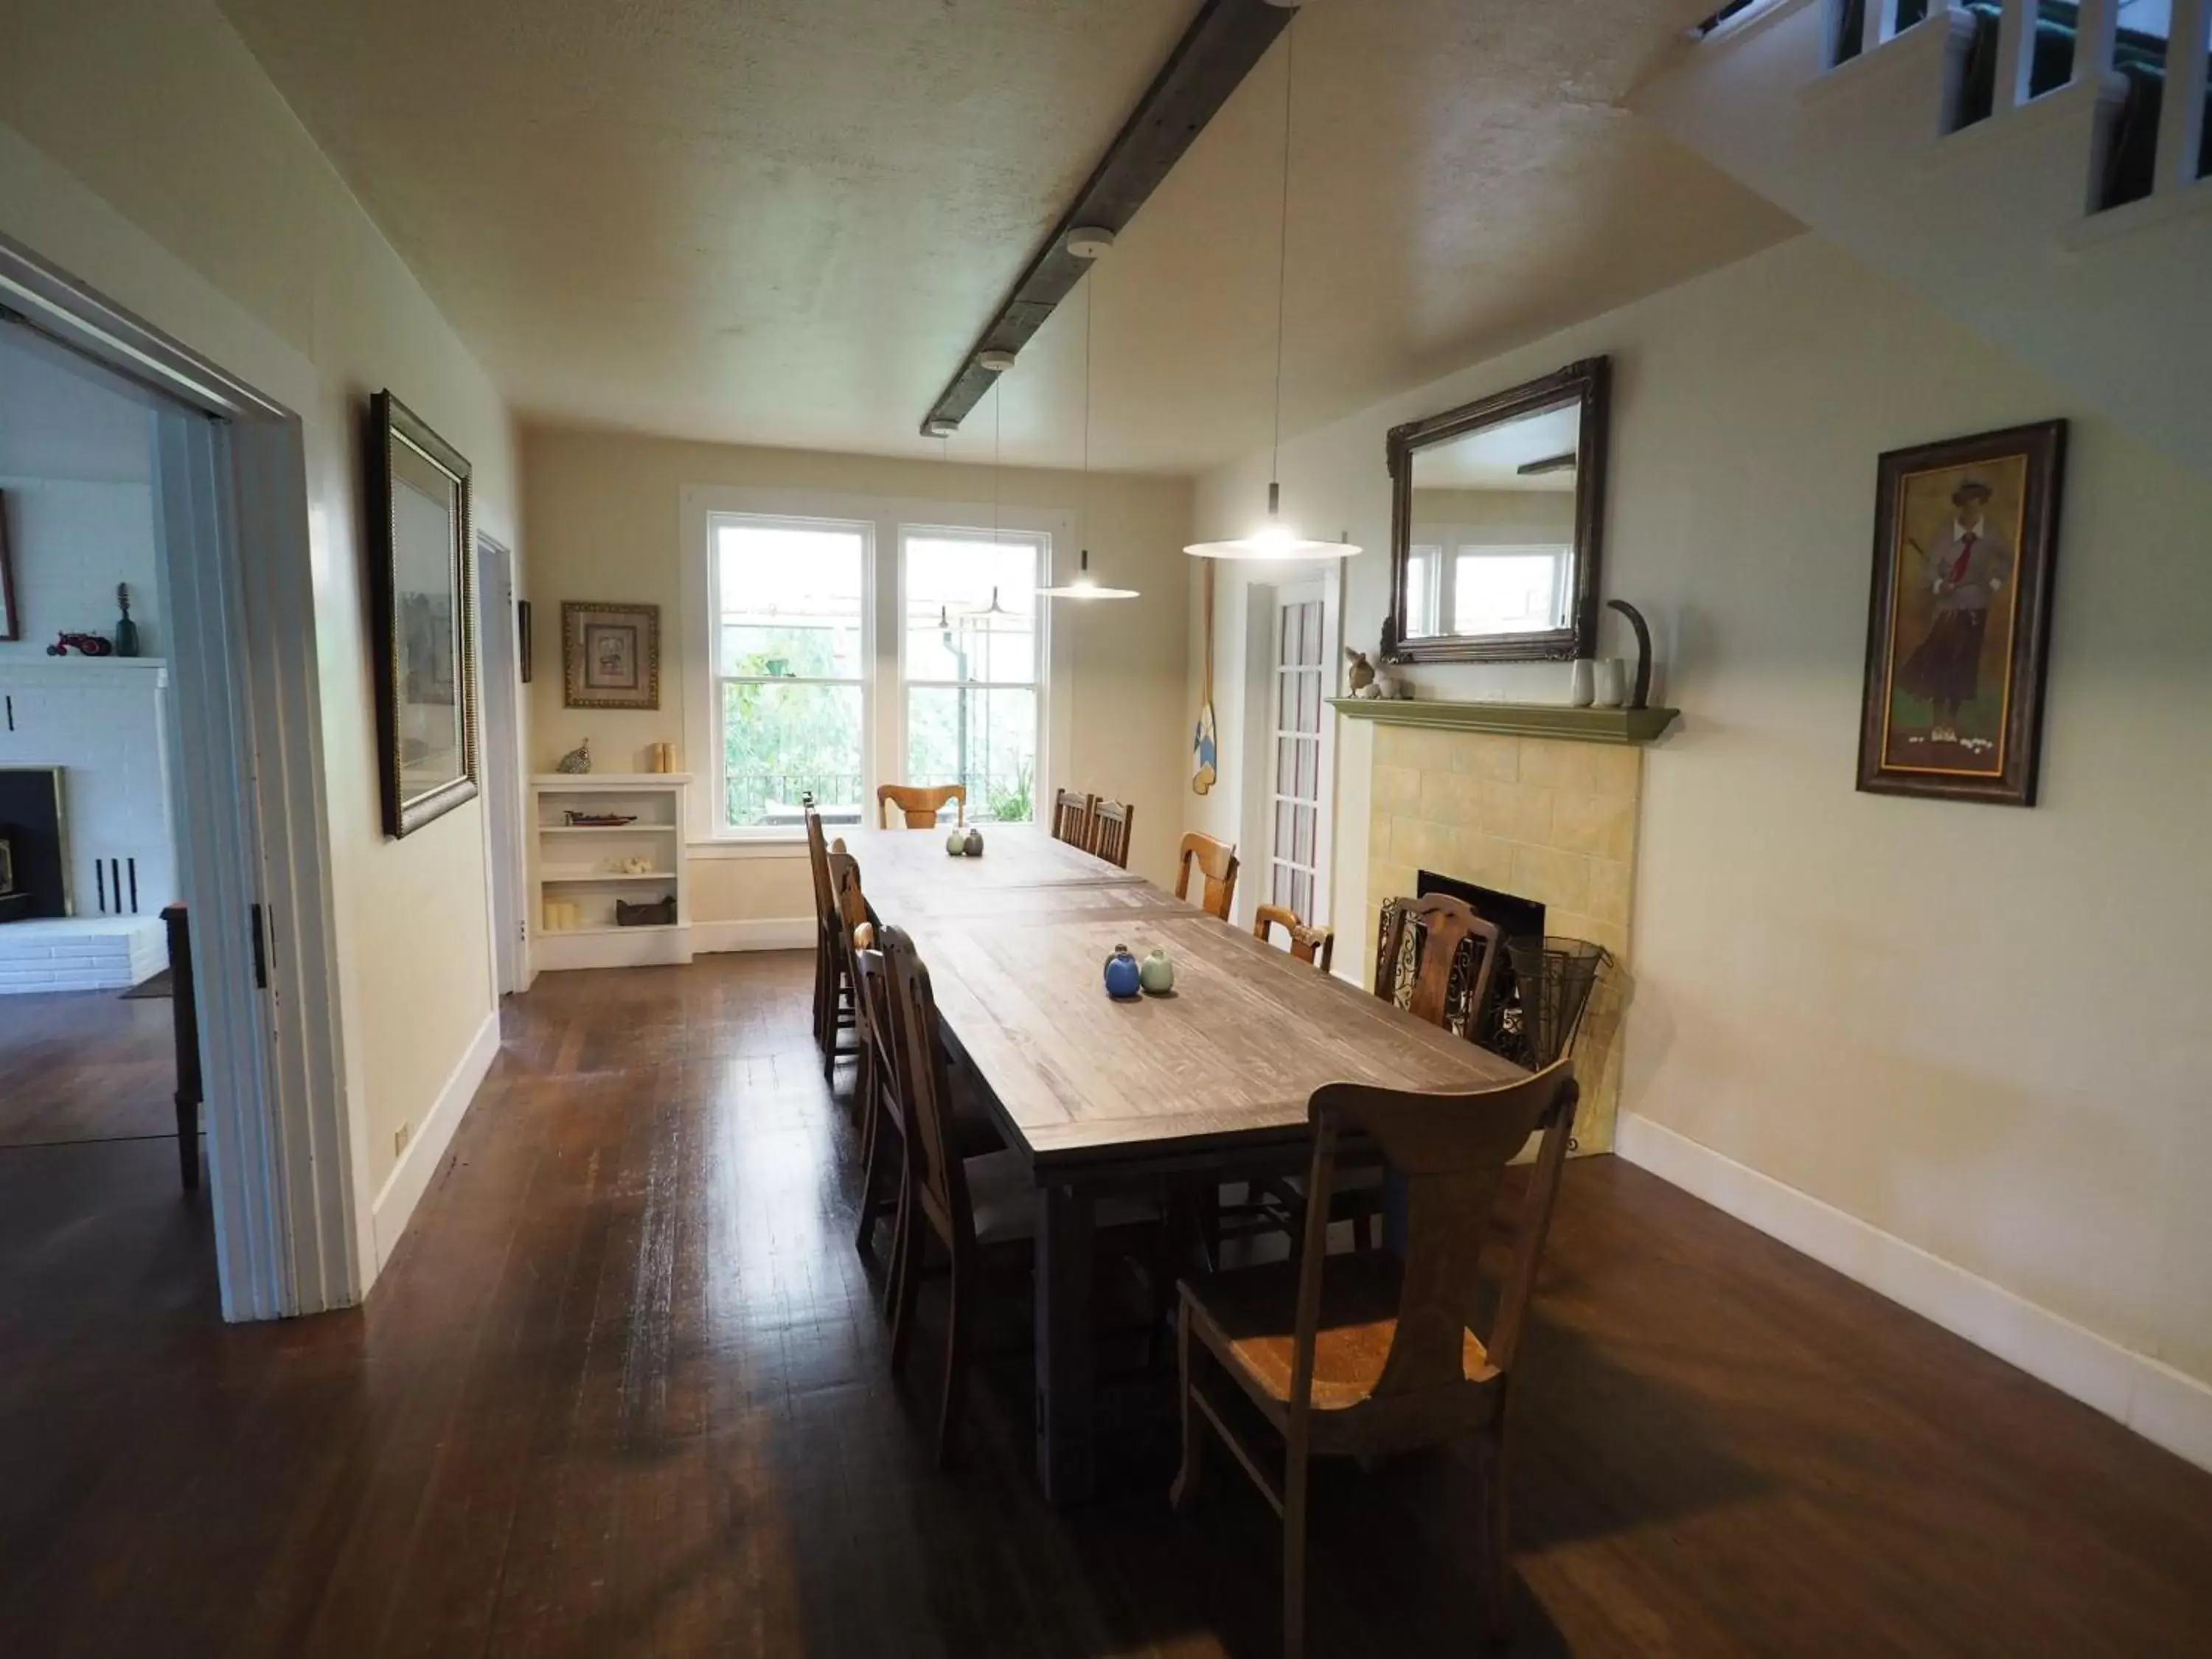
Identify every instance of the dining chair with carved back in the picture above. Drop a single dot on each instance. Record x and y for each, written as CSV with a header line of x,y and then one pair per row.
x,y
1317,946
1438,959
918,805
1376,1353
1071,818
834,1008
855,917
1216,862
1111,822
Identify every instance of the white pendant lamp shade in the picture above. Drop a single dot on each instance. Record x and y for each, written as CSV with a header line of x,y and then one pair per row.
x,y
1275,540
1084,587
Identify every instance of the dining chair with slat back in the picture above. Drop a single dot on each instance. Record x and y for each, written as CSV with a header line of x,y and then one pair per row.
x,y
1315,944
1216,860
833,1008
1111,822
1372,1354
919,804
1455,962
854,915
1071,818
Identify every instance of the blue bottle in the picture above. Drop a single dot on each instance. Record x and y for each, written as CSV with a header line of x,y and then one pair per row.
x,y
1124,979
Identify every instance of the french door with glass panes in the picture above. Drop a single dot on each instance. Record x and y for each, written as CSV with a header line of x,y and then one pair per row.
x,y
1298,699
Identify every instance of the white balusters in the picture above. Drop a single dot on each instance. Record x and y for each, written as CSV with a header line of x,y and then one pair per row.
x,y
2181,113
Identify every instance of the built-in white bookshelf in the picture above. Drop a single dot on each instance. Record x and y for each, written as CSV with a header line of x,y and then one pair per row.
x,y
582,871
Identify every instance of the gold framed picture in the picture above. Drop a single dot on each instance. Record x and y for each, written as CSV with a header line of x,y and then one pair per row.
x,y
1958,630
610,655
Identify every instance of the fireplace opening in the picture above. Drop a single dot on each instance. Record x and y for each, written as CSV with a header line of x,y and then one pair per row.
x,y
36,881
1504,1027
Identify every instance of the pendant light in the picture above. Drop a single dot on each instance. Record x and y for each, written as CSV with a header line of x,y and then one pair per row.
x,y
1084,587
1275,540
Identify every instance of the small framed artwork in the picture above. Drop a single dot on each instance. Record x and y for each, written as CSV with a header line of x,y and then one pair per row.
x,y
610,655
425,648
522,620
1959,627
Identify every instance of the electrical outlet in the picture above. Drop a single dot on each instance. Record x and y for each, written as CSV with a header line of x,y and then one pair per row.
x,y
400,1137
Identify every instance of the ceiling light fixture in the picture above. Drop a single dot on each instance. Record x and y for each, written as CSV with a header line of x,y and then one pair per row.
x,y
941,428
1083,587
1090,242
1275,540
994,359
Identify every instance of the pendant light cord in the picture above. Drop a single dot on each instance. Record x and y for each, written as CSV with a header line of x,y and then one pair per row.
x,y
1085,537
1283,246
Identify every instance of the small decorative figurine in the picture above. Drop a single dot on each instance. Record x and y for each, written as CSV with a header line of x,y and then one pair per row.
x,y
1124,979
974,846
85,645
1157,974
955,843
1361,675
127,631
577,760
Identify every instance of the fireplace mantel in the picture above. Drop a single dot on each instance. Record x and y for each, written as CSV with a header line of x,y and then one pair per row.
x,y
1514,719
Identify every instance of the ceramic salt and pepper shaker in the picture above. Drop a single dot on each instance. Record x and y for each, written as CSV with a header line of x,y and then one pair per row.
x,y
973,844
1157,974
955,843
1124,979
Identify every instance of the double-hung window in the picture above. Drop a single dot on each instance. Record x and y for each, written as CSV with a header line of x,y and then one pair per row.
x,y
790,601
972,663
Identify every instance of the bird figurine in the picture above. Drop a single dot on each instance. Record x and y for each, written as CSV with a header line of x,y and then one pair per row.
x,y
577,760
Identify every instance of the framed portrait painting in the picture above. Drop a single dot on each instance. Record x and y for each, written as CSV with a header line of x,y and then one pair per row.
x,y
610,655
1959,627
424,648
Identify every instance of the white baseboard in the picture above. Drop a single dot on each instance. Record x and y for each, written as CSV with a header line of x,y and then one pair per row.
x,y
2157,1401
410,1177
761,934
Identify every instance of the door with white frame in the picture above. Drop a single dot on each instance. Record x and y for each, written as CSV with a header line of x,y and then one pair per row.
x,y
499,662
1296,871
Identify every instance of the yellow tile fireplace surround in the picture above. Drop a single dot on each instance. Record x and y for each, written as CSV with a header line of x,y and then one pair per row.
x,y
1551,819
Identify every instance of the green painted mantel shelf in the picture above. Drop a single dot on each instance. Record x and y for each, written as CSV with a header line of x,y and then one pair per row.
x,y
1515,719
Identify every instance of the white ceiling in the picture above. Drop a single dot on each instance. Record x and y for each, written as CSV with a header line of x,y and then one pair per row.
x,y
783,222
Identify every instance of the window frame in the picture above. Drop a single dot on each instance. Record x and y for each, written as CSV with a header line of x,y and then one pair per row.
x,y
883,700
1040,664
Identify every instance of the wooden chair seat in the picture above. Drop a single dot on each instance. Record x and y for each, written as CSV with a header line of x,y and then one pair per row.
x,y
1249,1318
1004,1199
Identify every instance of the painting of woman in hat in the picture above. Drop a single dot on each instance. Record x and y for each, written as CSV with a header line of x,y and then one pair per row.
x,y
1954,651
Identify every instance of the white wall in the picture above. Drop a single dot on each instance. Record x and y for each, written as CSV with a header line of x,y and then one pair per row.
x,y
605,523
1980,1030
144,151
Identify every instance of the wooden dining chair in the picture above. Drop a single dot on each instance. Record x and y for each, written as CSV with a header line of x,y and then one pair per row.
x,y
1216,860
919,804
1315,944
1071,818
1372,1354
854,919
1438,959
1111,822
834,1009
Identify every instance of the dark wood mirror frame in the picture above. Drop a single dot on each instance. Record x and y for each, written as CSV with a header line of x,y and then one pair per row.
x,y
1589,383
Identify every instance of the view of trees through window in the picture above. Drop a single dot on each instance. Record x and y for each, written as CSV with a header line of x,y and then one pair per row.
x,y
794,683
971,666
790,670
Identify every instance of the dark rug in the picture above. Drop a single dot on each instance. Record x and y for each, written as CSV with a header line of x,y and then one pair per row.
x,y
158,986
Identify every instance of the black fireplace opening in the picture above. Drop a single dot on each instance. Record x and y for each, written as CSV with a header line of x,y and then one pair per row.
x,y
37,866
1502,1028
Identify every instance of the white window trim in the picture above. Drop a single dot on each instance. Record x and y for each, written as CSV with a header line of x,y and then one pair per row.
x,y
883,738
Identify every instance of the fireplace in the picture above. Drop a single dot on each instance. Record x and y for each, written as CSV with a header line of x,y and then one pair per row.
x,y
33,844
1516,918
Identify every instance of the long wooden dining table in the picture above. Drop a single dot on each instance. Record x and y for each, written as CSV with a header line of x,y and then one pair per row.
x,y
1099,1095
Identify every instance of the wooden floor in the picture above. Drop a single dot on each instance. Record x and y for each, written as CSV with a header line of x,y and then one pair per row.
x,y
86,1066
622,1392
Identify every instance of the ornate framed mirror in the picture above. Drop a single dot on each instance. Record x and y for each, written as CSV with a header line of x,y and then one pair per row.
x,y
1497,514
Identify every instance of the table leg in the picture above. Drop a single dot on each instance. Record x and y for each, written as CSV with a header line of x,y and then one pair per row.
x,y
1066,1370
